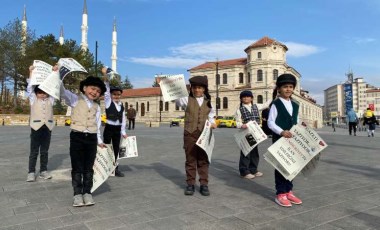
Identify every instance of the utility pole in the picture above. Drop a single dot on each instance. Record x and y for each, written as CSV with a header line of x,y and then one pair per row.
x,y
217,103
96,58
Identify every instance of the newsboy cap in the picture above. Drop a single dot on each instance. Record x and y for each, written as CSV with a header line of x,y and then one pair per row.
x,y
115,88
93,81
199,80
246,93
286,78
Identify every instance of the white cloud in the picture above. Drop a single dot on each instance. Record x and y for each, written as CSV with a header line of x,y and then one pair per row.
x,y
301,50
364,40
168,62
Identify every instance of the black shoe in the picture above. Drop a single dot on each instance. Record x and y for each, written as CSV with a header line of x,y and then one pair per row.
x,y
204,190
189,191
118,173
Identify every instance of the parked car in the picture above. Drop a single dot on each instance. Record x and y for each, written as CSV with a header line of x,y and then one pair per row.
x,y
217,120
228,121
177,121
103,118
67,121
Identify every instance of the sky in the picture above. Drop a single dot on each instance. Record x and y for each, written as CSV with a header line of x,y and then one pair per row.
x,y
326,39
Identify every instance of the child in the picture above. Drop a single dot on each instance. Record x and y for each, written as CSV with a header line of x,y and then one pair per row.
x,y
41,123
282,116
246,112
84,137
370,121
115,124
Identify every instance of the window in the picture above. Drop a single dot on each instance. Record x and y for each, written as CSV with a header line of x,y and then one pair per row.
x,y
259,55
249,57
161,105
275,74
176,107
249,77
137,106
259,99
167,106
224,78
225,103
147,106
142,109
217,80
218,102
241,78
259,75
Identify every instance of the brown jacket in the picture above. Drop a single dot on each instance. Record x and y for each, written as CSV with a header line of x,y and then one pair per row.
x,y
131,113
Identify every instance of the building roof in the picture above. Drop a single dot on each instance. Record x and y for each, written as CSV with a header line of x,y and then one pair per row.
x,y
265,41
221,64
373,90
141,92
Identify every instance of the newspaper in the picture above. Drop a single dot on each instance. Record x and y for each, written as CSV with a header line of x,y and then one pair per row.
x,y
104,165
206,140
290,155
40,72
173,87
128,147
68,65
247,139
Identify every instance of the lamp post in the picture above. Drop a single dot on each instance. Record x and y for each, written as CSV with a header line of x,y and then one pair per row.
x,y
96,58
217,86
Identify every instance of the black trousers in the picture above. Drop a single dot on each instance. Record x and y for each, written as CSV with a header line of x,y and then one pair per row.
x,y
131,121
282,184
112,133
39,143
248,164
83,148
352,125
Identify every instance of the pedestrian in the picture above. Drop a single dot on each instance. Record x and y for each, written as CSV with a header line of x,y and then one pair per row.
x,y
352,121
85,136
264,122
247,112
370,121
333,126
282,116
115,124
41,123
131,114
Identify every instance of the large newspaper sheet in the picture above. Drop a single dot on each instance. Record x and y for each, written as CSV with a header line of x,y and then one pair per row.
x,y
67,65
247,139
290,155
128,147
40,72
173,87
207,140
104,165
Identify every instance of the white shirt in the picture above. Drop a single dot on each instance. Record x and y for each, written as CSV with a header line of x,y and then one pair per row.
x,y
108,101
71,99
273,115
32,95
182,102
260,107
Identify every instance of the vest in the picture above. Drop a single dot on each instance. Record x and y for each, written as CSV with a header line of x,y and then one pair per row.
x,y
41,113
284,120
84,118
252,115
113,114
195,115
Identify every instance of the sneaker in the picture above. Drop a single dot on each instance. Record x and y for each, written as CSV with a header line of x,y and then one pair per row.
x,y
78,201
282,200
189,191
87,198
45,175
373,135
249,176
31,177
258,174
292,198
204,190
118,173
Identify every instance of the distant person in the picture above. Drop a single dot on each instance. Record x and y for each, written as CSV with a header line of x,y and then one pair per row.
x,y
352,121
41,123
370,121
131,114
333,126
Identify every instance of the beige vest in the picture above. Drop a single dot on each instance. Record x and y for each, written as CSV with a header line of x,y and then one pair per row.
x,y
84,118
41,113
195,115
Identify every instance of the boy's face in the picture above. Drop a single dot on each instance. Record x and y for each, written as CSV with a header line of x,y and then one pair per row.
x,y
92,92
41,95
286,90
197,90
246,100
116,95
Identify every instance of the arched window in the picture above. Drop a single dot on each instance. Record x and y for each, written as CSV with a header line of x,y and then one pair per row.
x,y
137,106
259,99
275,74
161,105
142,109
176,107
249,77
218,102
224,78
147,106
167,106
225,103
241,78
259,55
259,75
126,105
217,80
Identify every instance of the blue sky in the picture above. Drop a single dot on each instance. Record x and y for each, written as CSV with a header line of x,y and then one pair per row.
x,y
325,38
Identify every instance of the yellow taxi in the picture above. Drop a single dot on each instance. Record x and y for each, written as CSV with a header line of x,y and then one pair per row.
x,y
227,121
217,120
67,121
177,121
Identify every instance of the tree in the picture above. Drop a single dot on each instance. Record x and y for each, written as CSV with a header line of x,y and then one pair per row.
x,y
155,84
126,84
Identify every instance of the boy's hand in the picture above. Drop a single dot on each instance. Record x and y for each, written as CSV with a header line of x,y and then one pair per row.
x,y
56,67
125,136
31,68
158,80
213,126
244,126
286,134
104,72
102,145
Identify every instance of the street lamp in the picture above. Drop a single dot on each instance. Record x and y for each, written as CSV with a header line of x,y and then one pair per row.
x,y
217,86
96,58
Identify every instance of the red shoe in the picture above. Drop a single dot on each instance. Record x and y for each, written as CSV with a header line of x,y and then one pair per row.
x,y
292,198
282,200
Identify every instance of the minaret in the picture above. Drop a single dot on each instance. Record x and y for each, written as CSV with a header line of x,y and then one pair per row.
x,y
24,31
114,46
61,39
84,44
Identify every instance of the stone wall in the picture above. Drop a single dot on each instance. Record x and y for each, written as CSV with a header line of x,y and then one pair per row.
x,y
23,119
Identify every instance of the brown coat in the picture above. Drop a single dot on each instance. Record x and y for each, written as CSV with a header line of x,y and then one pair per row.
x,y
131,113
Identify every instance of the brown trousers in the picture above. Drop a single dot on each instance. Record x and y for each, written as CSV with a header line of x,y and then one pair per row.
x,y
196,159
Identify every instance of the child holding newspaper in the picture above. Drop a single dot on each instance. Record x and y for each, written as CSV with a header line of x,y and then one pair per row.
x,y
197,110
283,115
84,137
246,112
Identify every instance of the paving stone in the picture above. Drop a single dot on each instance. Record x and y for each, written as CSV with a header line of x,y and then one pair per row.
x,y
109,223
17,219
31,208
77,218
43,224
74,227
